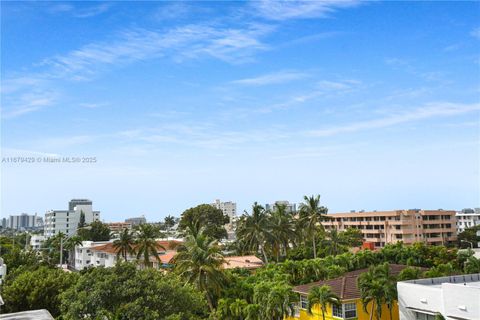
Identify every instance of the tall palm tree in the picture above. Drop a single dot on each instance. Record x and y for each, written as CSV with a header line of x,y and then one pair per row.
x,y
313,214
389,287
70,246
334,241
125,244
255,230
322,296
147,244
378,287
282,229
199,261
276,300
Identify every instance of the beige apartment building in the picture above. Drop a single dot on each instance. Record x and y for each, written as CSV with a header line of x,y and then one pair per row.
x,y
435,227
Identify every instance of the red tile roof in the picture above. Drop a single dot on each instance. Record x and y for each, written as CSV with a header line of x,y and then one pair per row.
x,y
345,287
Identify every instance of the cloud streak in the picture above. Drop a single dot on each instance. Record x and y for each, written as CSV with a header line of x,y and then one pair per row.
x,y
233,45
431,110
272,78
287,9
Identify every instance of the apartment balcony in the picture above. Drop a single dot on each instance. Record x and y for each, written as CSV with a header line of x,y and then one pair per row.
x,y
375,239
375,231
435,230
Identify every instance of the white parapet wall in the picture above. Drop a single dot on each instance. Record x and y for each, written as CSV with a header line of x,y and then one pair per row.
x,y
455,297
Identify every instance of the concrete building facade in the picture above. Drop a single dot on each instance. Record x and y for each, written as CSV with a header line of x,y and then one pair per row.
x,y
104,254
289,207
229,208
136,221
467,218
36,241
66,221
435,227
454,297
23,221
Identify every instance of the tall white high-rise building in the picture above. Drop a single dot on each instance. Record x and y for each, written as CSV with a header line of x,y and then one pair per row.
x,y
66,221
229,208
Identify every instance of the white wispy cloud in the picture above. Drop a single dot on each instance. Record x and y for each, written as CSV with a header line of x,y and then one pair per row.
x,y
180,43
322,88
79,12
27,102
297,9
92,11
272,78
232,45
93,105
12,152
172,10
431,110
475,33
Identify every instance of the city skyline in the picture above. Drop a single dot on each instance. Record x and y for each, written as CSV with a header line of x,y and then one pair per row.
x,y
373,105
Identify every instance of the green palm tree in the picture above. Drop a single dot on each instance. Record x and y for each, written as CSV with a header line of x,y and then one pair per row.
x,y
147,244
125,244
322,296
255,230
378,287
199,261
313,214
275,298
70,246
282,230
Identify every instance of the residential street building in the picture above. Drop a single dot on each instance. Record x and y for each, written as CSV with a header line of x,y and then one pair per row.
x,y
289,207
3,270
36,241
434,227
116,227
136,221
229,208
104,254
454,297
346,289
23,221
467,218
66,221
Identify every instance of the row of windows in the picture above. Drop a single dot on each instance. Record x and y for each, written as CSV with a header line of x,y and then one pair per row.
x,y
343,311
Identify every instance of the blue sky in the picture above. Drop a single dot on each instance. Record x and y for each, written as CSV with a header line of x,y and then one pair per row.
x,y
373,105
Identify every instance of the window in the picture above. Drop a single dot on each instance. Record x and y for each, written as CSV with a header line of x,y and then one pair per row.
x,y
350,310
423,316
303,302
345,311
337,311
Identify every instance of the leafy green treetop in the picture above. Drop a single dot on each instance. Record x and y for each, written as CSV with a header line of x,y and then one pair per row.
x,y
206,217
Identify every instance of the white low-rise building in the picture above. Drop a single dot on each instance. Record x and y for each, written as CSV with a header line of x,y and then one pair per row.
x,y
454,297
84,255
104,254
3,270
467,218
36,241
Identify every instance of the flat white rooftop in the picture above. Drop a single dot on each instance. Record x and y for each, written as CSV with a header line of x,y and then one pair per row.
x,y
469,280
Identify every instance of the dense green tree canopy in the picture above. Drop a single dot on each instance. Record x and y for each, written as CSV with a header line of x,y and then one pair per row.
x,y
37,289
96,231
470,235
124,292
206,217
